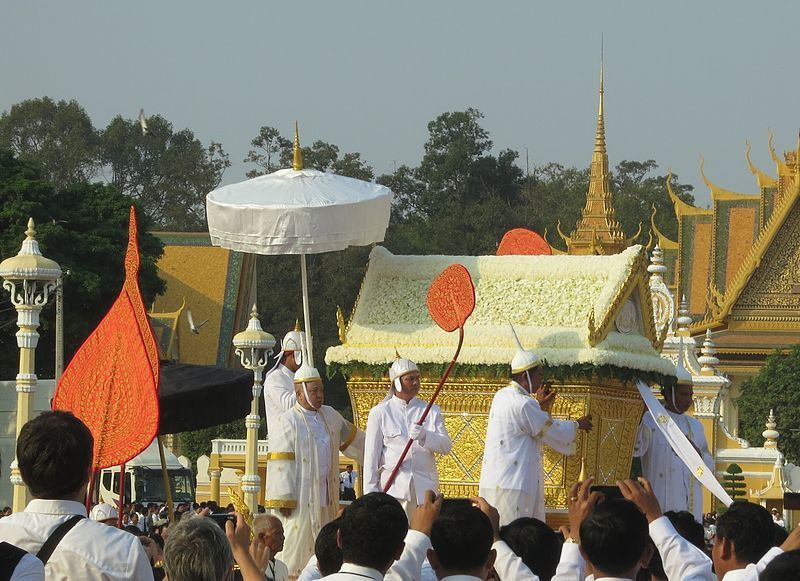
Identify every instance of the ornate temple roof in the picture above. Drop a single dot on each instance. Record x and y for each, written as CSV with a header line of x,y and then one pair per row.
x,y
569,309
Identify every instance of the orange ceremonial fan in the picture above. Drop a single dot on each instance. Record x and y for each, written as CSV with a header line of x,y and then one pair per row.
x,y
451,300
112,381
451,297
521,241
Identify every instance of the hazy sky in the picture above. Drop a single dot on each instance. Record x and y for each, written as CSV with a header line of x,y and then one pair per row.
x,y
682,78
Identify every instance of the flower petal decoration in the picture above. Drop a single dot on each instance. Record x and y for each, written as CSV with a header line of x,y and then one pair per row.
x,y
521,241
451,297
116,371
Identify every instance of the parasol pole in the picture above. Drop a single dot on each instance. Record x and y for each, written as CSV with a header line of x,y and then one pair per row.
x,y
421,421
306,315
165,476
121,494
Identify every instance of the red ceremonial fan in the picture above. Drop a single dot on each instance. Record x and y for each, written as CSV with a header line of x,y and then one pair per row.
x,y
451,300
521,241
111,383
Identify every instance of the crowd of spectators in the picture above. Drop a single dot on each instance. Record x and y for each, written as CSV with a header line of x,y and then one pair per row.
x,y
453,540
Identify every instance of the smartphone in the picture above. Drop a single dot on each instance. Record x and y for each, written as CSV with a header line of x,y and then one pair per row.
x,y
608,492
455,503
222,517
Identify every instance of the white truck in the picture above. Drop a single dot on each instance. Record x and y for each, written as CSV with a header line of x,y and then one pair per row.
x,y
144,481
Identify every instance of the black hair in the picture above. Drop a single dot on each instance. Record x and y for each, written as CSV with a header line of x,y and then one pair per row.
x,y
535,543
328,553
614,536
781,534
749,527
462,539
782,567
372,529
54,454
688,528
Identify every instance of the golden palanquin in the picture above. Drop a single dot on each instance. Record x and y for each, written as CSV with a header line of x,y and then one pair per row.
x,y
589,317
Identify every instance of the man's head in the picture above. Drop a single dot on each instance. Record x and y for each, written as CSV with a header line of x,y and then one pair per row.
x,y
310,395
291,354
535,543
745,532
614,539
269,529
372,530
104,513
462,543
678,398
327,552
349,468
54,454
530,379
197,550
405,378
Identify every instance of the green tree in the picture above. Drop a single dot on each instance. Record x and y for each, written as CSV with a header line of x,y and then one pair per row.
x,y
268,146
84,228
58,136
733,482
169,172
774,387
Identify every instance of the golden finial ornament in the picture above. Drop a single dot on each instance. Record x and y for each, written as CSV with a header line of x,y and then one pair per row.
x,y
396,353
297,163
297,325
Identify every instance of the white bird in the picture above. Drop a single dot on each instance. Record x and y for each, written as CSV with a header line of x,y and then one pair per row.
x,y
143,121
192,327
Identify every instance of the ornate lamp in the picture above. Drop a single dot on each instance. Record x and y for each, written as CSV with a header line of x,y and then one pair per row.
x,y
29,277
253,345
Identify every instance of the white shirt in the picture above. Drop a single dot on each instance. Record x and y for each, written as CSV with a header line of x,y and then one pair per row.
x,y
387,434
323,442
278,393
673,483
276,571
90,550
348,479
29,568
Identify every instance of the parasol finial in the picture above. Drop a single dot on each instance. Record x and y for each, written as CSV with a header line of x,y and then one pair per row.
x,y
297,326
297,163
396,353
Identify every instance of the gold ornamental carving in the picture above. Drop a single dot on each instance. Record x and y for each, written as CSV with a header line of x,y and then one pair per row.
x,y
465,403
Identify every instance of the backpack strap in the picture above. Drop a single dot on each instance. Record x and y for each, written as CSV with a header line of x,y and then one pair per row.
x,y
10,556
52,542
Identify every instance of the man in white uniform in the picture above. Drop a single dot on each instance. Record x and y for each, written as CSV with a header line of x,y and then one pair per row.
x,y
279,382
673,483
303,466
389,426
511,477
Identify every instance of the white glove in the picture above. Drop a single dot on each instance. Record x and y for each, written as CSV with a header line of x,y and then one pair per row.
x,y
416,432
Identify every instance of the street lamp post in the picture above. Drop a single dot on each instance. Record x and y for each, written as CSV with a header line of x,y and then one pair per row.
x,y
29,277
252,346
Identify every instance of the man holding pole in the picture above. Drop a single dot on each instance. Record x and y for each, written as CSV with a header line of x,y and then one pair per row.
x,y
519,423
390,425
279,381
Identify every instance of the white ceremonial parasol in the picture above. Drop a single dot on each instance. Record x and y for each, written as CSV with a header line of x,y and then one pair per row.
x,y
298,211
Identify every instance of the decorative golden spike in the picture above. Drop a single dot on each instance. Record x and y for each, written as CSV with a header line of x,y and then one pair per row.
x,y
297,163
396,353
600,134
341,325
582,475
241,507
297,326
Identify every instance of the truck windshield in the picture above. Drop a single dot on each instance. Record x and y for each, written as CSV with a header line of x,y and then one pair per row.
x,y
150,485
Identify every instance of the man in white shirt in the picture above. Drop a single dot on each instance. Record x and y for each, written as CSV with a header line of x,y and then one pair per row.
x,y
673,482
511,476
462,545
302,466
54,453
777,518
390,425
348,483
279,381
268,529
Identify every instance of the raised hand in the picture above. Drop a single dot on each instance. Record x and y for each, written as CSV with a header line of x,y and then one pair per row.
x,y
642,495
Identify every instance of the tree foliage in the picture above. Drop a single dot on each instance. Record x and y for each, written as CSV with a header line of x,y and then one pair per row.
x,y
774,387
83,227
268,146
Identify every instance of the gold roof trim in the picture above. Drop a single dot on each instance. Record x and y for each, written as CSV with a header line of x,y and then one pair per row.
x,y
725,302
552,248
664,242
720,194
637,281
783,169
762,179
683,208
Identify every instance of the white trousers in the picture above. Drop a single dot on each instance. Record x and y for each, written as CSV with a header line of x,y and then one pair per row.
x,y
511,504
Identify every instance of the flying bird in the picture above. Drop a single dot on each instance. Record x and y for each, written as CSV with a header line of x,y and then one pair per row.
x,y
143,121
192,327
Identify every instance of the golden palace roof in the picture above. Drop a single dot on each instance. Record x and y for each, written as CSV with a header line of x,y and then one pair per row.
x,y
569,309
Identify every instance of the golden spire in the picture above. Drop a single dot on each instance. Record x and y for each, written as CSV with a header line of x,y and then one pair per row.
x,y
297,325
297,163
598,231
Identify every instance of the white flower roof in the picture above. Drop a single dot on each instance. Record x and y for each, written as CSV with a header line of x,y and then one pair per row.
x,y
548,299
